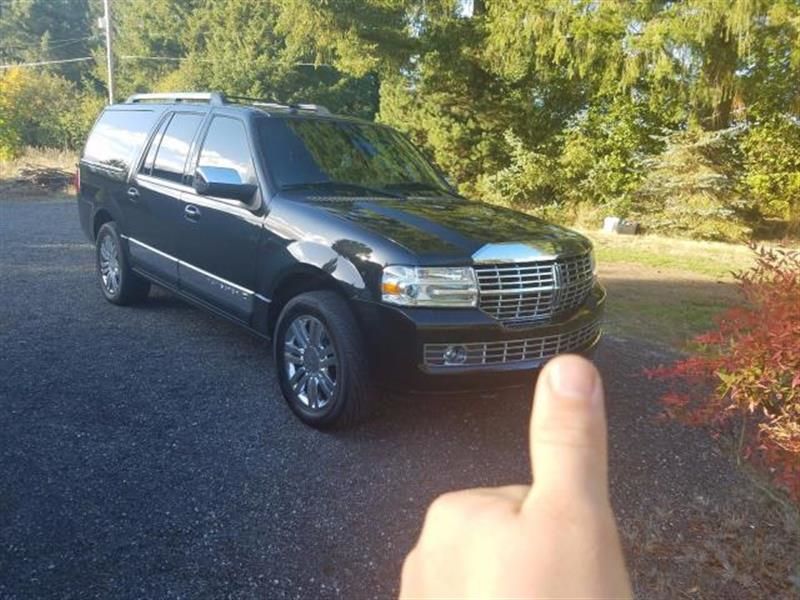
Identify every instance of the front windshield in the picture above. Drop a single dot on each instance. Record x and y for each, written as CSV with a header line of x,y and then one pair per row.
x,y
314,152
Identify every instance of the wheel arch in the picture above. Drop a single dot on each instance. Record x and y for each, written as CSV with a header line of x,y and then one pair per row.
x,y
301,279
101,217
316,266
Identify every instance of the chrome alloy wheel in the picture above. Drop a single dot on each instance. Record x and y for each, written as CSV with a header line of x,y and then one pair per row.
x,y
110,270
310,361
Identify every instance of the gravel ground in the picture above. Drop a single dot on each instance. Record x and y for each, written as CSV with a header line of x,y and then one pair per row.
x,y
147,453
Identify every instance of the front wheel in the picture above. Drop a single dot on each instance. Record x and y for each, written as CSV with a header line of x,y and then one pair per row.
x,y
118,282
322,366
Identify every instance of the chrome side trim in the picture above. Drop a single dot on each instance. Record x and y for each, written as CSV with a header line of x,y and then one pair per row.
x,y
183,264
154,261
150,248
220,280
149,182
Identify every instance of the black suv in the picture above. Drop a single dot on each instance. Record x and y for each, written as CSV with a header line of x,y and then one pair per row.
x,y
335,238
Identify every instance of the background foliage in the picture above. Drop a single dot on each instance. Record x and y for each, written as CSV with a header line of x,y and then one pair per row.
x,y
753,361
684,115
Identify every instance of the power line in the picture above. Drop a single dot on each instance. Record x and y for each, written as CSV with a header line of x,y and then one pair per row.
x,y
136,57
57,43
167,58
46,62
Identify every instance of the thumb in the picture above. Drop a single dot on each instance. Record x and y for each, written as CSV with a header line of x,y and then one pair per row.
x,y
568,431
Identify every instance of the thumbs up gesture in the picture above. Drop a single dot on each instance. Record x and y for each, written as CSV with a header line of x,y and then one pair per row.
x,y
554,539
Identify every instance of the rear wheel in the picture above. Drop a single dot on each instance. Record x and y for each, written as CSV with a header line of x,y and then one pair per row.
x,y
322,366
118,282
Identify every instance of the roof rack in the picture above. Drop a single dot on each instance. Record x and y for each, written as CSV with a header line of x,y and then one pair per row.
x,y
312,107
178,97
252,100
218,98
272,103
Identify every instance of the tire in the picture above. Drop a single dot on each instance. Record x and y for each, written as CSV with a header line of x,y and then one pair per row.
x,y
353,395
119,284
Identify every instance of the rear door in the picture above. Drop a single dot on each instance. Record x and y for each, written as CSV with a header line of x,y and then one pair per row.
x,y
155,196
115,143
220,237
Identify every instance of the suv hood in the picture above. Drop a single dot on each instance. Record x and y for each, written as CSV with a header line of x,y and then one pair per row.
x,y
454,227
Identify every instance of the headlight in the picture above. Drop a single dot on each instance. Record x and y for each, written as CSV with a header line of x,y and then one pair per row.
x,y
429,286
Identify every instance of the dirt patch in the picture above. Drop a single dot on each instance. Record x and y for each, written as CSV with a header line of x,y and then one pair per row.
x,y
666,306
746,548
33,180
37,173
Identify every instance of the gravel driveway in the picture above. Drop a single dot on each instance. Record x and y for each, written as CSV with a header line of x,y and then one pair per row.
x,y
147,453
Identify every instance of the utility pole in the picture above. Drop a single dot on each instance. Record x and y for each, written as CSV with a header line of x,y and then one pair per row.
x,y
109,62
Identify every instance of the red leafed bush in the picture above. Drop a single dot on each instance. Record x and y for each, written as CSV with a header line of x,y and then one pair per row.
x,y
745,376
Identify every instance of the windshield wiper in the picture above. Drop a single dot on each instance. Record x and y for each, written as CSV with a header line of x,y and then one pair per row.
x,y
341,185
416,186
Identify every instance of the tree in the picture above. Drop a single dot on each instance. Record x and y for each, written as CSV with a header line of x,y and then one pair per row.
x,y
42,30
692,188
228,45
39,108
712,56
151,38
772,169
356,36
532,102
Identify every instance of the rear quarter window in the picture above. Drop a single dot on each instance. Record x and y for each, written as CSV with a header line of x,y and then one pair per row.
x,y
118,137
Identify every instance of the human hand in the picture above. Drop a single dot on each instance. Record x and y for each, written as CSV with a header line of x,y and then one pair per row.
x,y
554,539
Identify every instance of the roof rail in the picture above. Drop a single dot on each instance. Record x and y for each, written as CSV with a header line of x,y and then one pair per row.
x,y
218,98
252,100
312,107
272,103
178,97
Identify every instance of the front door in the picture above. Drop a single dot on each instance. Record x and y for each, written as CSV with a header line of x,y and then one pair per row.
x,y
220,237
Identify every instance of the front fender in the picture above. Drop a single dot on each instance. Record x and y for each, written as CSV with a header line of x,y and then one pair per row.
x,y
307,262
331,263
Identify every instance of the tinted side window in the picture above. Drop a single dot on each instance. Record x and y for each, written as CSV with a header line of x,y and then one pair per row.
x,y
174,147
226,146
118,137
147,163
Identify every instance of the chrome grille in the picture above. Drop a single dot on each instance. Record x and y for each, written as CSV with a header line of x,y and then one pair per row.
x,y
519,293
490,353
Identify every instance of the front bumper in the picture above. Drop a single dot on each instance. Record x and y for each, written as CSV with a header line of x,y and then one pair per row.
x,y
406,345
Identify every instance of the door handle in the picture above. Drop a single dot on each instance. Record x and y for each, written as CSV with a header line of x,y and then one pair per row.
x,y
191,213
133,194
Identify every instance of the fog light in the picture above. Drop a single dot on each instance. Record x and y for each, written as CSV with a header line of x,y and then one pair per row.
x,y
455,355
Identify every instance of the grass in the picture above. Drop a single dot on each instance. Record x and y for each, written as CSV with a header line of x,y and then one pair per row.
x,y
672,325
709,259
666,290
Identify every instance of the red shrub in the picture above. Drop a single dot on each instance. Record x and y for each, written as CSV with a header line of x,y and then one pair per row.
x,y
745,376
